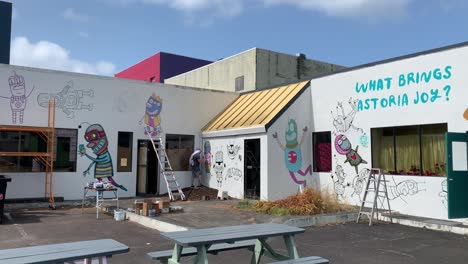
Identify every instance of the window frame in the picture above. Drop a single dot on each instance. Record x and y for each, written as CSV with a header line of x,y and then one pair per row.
x,y
129,167
239,83
315,154
420,128
179,145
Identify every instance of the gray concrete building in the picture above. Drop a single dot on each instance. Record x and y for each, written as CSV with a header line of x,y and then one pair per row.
x,y
252,70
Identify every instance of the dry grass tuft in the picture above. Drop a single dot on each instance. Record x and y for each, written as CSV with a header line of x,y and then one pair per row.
x,y
310,202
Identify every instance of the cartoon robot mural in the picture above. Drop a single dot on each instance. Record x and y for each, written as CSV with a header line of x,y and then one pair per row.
x,y
233,150
207,151
292,152
359,182
218,167
343,146
343,122
18,97
98,143
152,117
69,99
443,194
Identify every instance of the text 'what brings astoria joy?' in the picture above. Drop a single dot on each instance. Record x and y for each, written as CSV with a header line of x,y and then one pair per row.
x,y
412,88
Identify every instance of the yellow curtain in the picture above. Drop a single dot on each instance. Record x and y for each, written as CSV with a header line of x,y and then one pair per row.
x,y
407,154
433,154
386,154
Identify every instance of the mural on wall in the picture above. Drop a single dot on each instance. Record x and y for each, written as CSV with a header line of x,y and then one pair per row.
x,y
152,117
338,177
68,99
233,173
443,194
403,189
292,152
98,143
207,152
343,146
18,97
233,151
342,121
218,167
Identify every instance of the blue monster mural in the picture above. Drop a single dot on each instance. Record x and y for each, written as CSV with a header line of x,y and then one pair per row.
x,y
152,117
293,153
98,143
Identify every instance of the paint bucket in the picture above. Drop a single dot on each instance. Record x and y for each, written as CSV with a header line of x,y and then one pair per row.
x,y
119,215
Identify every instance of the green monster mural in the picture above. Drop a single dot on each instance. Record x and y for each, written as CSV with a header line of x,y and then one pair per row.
x,y
293,153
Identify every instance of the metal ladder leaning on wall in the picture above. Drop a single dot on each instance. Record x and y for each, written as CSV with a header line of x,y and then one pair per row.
x,y
165,169
378,182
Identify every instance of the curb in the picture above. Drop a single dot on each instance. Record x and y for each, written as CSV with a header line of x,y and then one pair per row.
x,y
153,223
307,221
427,225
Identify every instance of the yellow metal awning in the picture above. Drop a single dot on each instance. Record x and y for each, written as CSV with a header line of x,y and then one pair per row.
x,y
257,108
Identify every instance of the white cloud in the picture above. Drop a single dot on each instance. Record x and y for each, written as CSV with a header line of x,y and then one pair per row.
x,y
49,55
72,15
348,8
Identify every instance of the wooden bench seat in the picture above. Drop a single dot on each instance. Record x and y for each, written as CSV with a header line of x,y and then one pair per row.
x,y
305,260
65,252
164,255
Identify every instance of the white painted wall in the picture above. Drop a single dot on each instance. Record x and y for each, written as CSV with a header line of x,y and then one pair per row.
x,y
425,197
118,105
280,181
230,183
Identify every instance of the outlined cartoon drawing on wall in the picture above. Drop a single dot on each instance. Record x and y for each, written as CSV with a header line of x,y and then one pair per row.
x,y
292,152
403,189
68,99
342,121
98,143
339,183
359,182
443,194
233,173
344,147
152,116
218,167
18,97
233,151
207,152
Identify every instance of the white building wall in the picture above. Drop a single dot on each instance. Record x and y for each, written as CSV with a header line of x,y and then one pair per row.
x,y
221,75
282,175
117,105
447,98
229,174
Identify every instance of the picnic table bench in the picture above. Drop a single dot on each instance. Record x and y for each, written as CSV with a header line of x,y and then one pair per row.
x,y
306,260
200,242
64,252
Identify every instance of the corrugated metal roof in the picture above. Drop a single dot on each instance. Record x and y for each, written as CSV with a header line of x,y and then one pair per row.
x,y
256,108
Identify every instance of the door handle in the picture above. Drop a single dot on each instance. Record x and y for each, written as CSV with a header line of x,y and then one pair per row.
x,y
450,179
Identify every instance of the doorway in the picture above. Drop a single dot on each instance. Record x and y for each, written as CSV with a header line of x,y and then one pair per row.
x,y
252,169
148,169
457,174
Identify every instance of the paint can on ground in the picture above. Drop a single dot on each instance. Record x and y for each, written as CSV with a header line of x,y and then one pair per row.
x,y
119,215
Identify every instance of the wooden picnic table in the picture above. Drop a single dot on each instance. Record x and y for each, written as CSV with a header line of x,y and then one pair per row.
x,y
203,239
64,252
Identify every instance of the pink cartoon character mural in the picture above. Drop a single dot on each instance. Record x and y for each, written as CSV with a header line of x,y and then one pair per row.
x,y
293,153
343,146
98,143
18,97
152,117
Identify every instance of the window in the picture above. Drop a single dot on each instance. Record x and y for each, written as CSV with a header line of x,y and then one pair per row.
x,y
239,85
410,150
322,151
65,151
124,151
179,148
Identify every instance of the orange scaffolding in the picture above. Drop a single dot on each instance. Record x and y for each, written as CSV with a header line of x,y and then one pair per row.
x,y
46,158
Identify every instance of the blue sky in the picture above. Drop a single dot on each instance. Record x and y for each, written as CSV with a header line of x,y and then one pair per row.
x,y
107,36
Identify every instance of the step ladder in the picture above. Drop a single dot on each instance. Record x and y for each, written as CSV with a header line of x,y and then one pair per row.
x,y
165,169
377,184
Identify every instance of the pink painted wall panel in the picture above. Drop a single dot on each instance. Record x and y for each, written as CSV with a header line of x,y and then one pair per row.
x,y
144,70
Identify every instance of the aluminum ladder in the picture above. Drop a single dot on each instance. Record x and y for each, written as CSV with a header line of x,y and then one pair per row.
x,y
165,169
377,177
